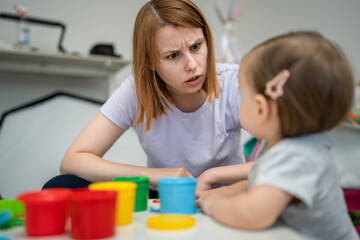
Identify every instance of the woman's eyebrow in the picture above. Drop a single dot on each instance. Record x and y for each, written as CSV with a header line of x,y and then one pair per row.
x,y
176,50
169,52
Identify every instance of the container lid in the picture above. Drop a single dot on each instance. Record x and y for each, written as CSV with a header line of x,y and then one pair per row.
x,y
136,179
117,186
171,222
93,196
141,182
177,180
49,195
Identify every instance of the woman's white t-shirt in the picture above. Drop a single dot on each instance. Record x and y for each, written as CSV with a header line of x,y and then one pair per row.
x,y
197,141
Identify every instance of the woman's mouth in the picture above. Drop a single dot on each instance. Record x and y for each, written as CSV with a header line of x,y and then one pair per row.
x,y
194,81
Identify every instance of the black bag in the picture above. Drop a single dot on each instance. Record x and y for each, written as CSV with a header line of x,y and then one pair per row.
x,y
104,49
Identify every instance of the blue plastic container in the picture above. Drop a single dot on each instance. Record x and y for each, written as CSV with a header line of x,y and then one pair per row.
x,y
177,195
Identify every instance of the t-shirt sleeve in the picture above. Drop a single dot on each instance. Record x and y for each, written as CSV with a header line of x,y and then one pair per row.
x,y
120,108
289,171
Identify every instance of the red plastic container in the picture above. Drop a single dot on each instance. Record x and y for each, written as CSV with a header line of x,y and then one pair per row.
x,y
92,214
352,198
45,211
83,189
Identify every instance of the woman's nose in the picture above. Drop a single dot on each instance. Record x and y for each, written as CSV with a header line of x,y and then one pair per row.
x,y
191,63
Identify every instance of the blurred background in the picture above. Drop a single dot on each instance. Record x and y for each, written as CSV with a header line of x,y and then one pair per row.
x,y
111,21
34,139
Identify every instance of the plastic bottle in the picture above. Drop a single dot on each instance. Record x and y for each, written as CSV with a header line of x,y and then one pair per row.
x,y
24,33
23,38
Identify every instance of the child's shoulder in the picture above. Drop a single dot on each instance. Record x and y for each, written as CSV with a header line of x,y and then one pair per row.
x,y
306,156
307,142
313,146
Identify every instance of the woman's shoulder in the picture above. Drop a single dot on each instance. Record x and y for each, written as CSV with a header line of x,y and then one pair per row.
x,y
130,80
226,68
126,85
125,92
227,75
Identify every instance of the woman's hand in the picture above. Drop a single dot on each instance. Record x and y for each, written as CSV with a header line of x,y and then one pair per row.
x,y
224,175
205,181
156,173
226,192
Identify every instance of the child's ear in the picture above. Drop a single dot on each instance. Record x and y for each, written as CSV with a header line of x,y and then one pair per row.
x,y
262,108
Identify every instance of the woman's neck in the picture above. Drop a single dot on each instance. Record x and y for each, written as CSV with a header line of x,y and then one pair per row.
x,y
190,102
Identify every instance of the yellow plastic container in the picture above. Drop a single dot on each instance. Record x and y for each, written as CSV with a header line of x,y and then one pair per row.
x,y
125,199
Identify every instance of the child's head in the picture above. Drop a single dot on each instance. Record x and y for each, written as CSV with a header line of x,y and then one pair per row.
x,y
318,92
152,93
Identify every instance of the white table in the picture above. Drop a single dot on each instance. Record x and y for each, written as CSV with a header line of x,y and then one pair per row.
x,y
205,228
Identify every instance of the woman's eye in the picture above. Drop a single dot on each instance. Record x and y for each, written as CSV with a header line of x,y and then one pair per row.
x,y
195,46
173,56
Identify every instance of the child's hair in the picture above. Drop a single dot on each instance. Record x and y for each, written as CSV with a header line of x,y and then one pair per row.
x,y
319,91
152,93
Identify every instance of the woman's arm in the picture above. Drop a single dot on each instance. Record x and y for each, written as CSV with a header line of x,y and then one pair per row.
x,y
84,156
225,175
254,210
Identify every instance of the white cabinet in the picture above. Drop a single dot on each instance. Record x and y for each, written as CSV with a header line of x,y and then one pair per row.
x,y
28,75
29,62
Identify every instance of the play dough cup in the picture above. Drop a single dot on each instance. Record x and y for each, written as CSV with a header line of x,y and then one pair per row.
x,y
125,199
142,191
177,195
92,214
15,207
45,211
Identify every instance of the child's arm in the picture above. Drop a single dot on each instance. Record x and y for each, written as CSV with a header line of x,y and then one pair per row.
x,y
224,175
254,210
227,191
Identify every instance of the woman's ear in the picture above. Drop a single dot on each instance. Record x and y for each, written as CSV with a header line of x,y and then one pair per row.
x,y
151,67
262,108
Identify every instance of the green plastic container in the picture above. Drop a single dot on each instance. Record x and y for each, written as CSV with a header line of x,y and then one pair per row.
x,y
15,210
15,207
142,190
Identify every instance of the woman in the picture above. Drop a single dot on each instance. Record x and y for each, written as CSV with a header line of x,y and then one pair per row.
x,y
182,106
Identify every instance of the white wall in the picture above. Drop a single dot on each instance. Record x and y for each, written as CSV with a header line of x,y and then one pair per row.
x,y
91,21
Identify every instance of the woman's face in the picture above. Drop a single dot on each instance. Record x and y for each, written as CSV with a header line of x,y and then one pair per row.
x,y
182,58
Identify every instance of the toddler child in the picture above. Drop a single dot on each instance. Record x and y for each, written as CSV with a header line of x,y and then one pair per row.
x,y
294,87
